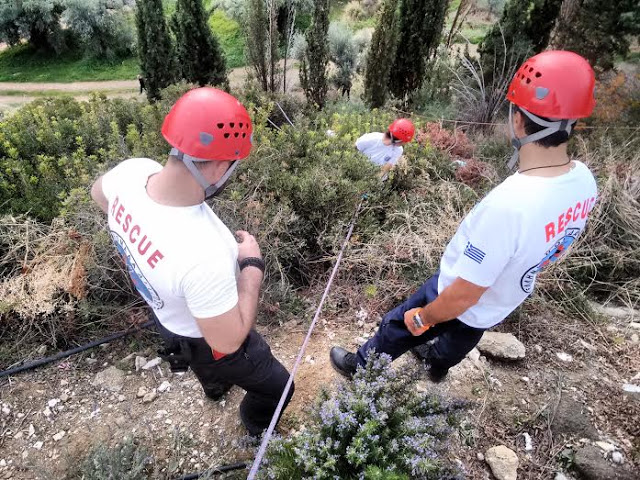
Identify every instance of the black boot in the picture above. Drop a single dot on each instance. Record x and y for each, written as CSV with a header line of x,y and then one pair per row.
x,y
343,361
436,374
215,391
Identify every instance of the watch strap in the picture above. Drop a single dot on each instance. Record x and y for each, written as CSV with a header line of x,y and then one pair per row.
x,y
252,262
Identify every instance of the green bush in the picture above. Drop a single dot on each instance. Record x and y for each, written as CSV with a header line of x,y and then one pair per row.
x,y
123,462
230,36
376,427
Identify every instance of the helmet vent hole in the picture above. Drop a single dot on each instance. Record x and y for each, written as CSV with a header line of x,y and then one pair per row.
x,y
531,70
538,74
226,135
236,134
240,124
528,81
244,135
221,125
232,124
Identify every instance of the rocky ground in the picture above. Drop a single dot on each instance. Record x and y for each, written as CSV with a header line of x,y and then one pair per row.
x,y
550,398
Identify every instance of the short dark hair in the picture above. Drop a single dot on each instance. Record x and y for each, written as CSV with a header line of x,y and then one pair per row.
x,y
530,127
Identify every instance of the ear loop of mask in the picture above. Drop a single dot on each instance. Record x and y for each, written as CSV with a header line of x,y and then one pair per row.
x,y
552,127
210,190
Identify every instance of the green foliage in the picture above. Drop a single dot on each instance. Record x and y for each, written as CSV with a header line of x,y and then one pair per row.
x,y
155,49
313,70
381,55
37,21
420,26
343,52
127,461
256,29
524,29
375,427
200,57
23,63
598,30
231,38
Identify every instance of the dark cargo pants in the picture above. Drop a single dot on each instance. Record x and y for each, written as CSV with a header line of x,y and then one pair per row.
x,y
453,339
252,367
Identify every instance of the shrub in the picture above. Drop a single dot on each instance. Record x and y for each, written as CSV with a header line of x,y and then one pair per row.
x,y
127,461
376,427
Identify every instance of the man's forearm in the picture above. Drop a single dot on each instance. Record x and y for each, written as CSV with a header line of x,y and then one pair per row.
x,y
249,283
443,309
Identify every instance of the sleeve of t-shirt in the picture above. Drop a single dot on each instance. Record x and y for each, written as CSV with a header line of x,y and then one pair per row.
x,y
210,290
119,174
491,243
396,156
365,141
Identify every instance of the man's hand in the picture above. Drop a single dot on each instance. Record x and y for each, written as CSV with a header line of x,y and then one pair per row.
x,y
247,246
410,322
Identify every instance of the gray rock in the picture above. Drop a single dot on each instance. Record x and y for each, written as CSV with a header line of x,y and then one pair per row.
x,y
571,419
501,345
152,363
616,457
560,476
590,463
140,362
503,462
110,379
149,397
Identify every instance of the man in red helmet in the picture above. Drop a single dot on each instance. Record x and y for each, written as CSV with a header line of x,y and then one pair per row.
x,y
524,224
384,149
202,285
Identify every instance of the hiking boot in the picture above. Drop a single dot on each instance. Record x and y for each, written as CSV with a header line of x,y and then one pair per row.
x,y
435,374
343,361
216,391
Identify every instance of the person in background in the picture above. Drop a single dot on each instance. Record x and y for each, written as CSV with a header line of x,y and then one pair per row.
x,y
522,226
384,149
202,284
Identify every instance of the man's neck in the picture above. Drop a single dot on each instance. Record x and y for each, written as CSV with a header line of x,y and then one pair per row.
x,y
544,162
174,186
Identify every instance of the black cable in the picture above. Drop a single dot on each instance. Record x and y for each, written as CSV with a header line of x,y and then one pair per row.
x,y
73,351
223,469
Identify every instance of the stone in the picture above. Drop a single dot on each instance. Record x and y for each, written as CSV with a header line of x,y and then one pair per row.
x,y
528,444
501,345
121,398
18,435
560,476
38,445
6,410
140,362
570,419
164,387
53,402
631,388
635,338
142,391
42,349
90,361
58,436
480,456
564,357
3,463
64,397
606,446
538,349
111,379
149,397
635,325
503,462
32,430
616,457
590,463
152,363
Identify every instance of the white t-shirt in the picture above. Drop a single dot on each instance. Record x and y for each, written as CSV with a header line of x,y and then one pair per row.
x,y
182,260
520,227
371,145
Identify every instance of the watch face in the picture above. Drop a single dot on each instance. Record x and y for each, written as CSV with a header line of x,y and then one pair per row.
x,y
417,321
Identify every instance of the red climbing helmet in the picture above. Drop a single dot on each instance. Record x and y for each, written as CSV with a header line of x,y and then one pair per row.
x,y
554,84
209,124
402,129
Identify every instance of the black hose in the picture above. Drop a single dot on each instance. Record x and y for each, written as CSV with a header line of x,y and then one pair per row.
x,y
223,469
73,351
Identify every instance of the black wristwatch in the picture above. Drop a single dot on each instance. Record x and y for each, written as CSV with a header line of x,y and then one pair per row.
x,y
252,262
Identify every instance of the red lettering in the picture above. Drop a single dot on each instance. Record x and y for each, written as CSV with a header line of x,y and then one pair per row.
x,y
142,249
561,223
585,209
153,259
136,229
550,230
127,221
119,213
114,206
576,213
568,215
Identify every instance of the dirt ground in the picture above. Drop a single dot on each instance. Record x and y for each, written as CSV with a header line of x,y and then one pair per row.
x,y
187,432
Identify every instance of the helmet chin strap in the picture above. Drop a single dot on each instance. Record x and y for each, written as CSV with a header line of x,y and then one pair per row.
x,y
552,127
210,190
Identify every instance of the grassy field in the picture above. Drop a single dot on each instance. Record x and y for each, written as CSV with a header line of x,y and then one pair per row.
x,y
22,64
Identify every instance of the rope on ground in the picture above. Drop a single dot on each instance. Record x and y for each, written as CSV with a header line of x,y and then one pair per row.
x,y
276,415
73,351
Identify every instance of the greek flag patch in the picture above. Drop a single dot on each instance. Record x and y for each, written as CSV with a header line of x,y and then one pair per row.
x,y
474,253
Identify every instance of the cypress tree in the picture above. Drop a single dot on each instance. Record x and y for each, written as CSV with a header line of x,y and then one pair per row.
x,y
381,55
313,69
420,27
597,30
256,34
526,26
199,53
155,50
